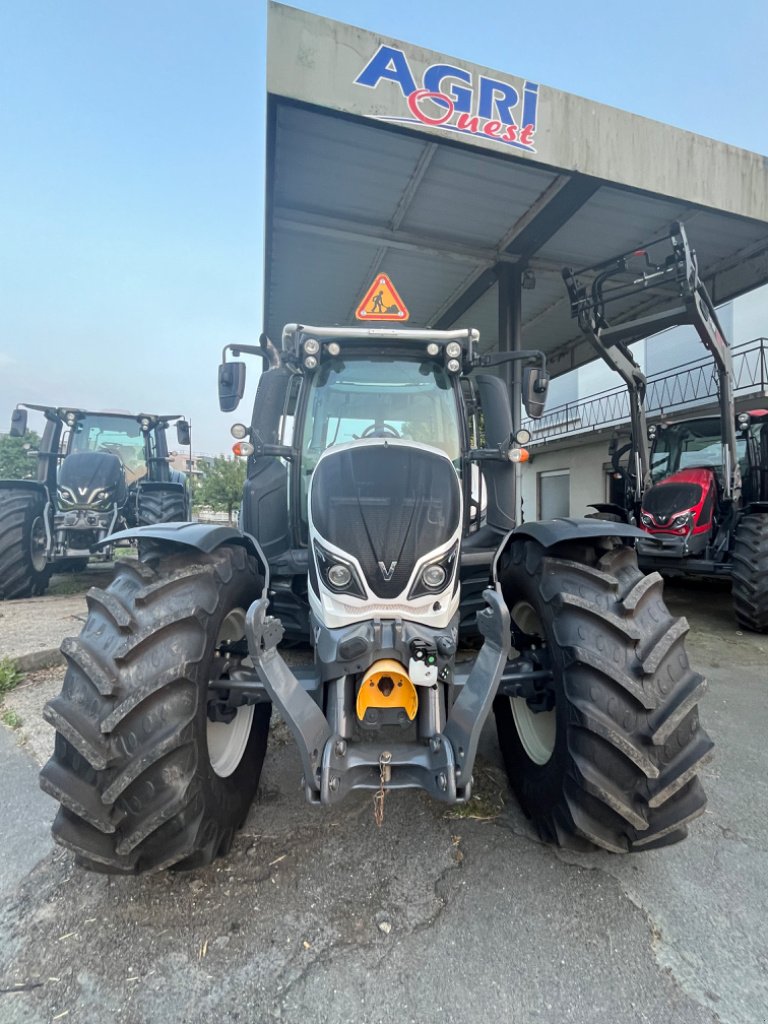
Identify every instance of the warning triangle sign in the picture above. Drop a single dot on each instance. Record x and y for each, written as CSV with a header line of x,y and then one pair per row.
x,y
382,302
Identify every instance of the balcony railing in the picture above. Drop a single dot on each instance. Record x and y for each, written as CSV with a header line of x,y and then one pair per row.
x,y
684,386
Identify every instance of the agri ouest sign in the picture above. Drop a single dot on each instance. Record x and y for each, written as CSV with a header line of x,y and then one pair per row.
x,y
456,100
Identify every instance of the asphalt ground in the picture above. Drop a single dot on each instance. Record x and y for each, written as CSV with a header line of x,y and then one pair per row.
x,y
320,916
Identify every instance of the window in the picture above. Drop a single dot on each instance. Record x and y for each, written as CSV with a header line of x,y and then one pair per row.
x,y
378,397
116,435
554,494
689,444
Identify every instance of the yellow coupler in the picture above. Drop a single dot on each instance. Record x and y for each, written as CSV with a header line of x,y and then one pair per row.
x,y
386,685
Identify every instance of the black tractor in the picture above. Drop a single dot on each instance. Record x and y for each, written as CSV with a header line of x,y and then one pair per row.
x,y
697,486
378,524
97,473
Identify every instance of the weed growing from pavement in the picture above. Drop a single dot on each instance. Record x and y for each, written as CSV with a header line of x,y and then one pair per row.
x,y
11,719
9,675
487,800
9,678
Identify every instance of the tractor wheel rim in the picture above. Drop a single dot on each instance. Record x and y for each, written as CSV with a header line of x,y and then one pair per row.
x,y
537,731
227,740
38,545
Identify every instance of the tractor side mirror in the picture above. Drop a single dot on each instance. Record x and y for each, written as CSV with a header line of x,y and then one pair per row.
x,y
183,433
18,423
535,388
231,385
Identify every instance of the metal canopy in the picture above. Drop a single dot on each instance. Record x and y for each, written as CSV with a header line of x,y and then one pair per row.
x,y
356,185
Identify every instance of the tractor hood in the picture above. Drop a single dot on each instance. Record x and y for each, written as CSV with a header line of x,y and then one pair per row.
x,y
689,492
385,523
91,479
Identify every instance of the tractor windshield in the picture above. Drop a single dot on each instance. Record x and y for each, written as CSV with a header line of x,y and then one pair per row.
x,y
688,444
359,398
117,435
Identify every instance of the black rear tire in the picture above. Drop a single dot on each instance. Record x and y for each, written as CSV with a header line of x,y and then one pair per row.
x,y
160,505
131,767
24,571
617,768
750,573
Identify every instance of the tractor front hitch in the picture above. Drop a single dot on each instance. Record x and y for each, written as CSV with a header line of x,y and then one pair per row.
x,y
334,765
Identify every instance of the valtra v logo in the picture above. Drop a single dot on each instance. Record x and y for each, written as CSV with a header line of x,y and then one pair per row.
x,y
456,100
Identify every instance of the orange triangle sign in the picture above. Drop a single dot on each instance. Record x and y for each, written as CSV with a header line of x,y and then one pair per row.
x,y
382,302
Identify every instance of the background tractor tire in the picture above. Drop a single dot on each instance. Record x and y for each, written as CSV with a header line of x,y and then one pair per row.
x,y
24,570
613,765
160,505
750,573
145,781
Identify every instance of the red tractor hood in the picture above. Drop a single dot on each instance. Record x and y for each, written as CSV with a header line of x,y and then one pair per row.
x,y
688,490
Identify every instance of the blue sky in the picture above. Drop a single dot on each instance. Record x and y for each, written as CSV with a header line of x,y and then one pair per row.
x,y
131,169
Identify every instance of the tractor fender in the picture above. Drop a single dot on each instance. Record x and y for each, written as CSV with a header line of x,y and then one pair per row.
x,y
206,537
550,532
25,485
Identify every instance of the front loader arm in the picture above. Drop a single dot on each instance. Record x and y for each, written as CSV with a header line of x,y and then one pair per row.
x,y
618,279
615,353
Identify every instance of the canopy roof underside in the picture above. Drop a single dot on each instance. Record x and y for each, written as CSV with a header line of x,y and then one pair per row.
x,y
349,197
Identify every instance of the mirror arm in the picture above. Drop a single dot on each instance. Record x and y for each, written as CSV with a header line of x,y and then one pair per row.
x,y
497,358
249,350
499,454
281,451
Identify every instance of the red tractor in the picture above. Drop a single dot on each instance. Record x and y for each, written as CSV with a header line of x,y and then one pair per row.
x,y
695,529
698,487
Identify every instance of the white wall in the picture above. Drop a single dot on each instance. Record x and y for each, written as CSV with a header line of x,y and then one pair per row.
x,y
587,475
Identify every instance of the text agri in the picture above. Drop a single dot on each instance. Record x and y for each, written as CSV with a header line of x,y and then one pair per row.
x,y
450,98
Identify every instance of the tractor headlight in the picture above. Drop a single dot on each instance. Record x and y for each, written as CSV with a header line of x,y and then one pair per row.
x,y
337,574
101,499
453,366
65,497
453,350
436,575
683,521
646,520
433,349
311,347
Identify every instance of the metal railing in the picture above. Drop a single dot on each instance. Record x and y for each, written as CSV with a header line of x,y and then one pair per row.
x,y
687,385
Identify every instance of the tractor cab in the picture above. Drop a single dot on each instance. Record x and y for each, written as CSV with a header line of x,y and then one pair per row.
x,y
388,391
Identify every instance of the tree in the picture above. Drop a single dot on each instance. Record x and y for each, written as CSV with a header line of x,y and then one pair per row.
x,y
221,486
15,461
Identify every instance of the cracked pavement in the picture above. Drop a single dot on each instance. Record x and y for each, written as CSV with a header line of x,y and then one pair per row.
x,y
319,916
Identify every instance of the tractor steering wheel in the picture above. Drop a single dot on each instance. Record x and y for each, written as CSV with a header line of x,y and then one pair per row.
x,y
382,430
